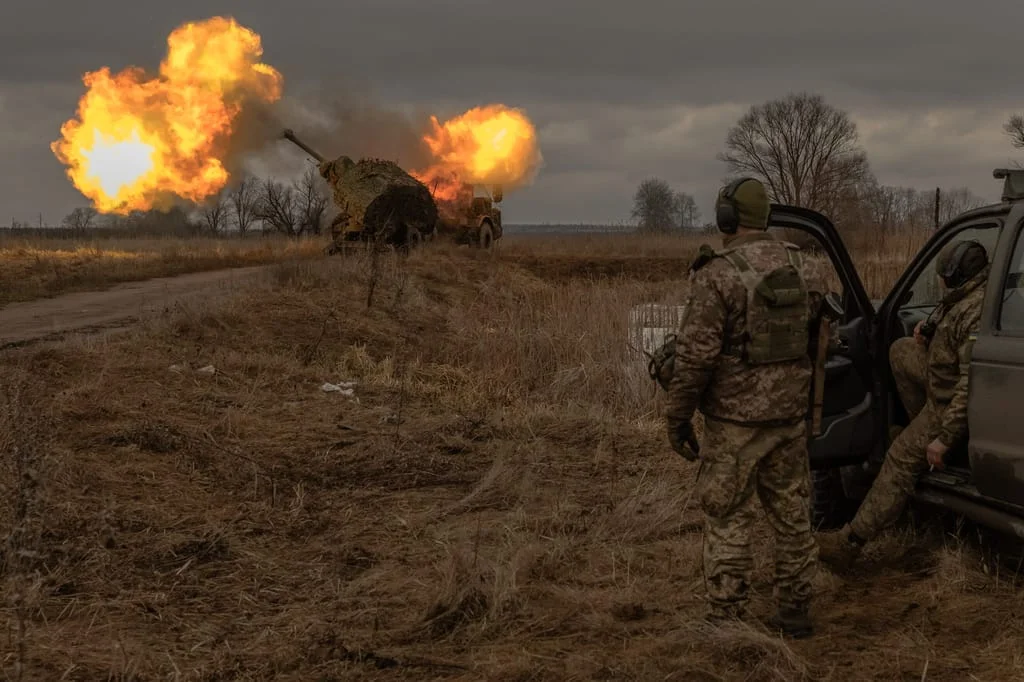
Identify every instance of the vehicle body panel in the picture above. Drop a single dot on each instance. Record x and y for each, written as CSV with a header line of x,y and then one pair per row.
x,y
995,406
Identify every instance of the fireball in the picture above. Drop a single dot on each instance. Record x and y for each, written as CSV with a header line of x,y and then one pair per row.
x,y
490,145
139,141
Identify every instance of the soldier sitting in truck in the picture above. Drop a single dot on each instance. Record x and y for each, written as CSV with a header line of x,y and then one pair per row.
x,y
931,373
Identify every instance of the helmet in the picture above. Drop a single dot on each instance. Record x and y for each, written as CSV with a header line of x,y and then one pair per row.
x,y
958,262
742,203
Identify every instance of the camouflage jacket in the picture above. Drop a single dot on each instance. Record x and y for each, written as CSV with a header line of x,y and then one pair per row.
x,y
722,385
949,357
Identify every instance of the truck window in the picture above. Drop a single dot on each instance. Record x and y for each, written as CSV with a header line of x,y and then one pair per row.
x,y
927,289
1011,313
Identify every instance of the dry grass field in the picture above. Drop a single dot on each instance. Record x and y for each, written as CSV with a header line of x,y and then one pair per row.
x,y
35,267
488,496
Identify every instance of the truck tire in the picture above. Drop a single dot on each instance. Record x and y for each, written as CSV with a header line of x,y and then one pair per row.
x,y
830,508
486,236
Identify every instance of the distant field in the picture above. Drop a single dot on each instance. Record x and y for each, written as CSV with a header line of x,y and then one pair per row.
x,y
37,264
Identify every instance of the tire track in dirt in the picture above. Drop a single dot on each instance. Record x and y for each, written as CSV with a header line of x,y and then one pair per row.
x,y
114,308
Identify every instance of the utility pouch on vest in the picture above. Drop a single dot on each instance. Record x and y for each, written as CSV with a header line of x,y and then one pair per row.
x,y
777,314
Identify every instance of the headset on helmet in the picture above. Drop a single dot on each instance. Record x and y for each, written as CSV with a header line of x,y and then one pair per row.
x,y
952,271
727,214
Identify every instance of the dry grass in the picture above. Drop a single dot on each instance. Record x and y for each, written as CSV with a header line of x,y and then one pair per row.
x,y
495,501
37,268
880,258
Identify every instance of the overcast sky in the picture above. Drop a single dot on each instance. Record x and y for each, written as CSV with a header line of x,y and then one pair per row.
x,y
618,90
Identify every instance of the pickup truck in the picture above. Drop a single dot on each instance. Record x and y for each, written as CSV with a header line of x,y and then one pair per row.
x,y
984,480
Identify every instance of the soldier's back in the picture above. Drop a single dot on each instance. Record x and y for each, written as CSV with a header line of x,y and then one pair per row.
x,y
759,390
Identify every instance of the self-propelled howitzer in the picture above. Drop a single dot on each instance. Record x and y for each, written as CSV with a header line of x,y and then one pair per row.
x,y
376,200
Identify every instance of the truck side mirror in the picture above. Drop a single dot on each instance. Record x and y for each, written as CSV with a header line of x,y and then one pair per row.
x,y
498,194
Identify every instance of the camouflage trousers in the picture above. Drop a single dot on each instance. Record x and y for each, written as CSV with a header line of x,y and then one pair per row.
x,y
909,362
906,458
741,465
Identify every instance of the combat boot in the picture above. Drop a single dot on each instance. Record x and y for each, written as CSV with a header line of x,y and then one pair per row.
x,y
839,549
793,622
721,615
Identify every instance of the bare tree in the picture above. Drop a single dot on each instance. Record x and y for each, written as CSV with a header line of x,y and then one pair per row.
x,y
276,207
655,206
887,207
954,201
310,203
1015,129
686,208
805,151
244,198
896,208
215,213
80,219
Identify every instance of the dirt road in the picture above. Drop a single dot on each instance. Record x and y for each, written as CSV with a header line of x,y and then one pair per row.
x,y
112,308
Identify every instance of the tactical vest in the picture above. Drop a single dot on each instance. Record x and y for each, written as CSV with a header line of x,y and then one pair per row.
x,y
777,310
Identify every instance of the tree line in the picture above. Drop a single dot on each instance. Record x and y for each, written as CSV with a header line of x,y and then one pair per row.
x,y
808,154
299,208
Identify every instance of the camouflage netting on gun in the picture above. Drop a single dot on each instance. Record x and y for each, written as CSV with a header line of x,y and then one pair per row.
x,y
397,210
378,196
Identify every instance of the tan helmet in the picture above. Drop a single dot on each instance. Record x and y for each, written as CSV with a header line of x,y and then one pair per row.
x,y
958,262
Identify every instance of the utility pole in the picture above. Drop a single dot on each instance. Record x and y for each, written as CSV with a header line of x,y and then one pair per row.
x,y
937,195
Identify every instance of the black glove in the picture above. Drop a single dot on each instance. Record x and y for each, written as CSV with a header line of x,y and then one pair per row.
x,y
680,436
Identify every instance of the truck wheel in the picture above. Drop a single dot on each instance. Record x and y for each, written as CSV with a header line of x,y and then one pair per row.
x,y
830,508
486,236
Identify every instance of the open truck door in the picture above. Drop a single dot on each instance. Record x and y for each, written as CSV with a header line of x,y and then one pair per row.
x,y
852,425
850,429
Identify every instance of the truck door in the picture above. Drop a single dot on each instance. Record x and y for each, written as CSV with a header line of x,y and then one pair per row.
x,y
995,405
851,429
915,295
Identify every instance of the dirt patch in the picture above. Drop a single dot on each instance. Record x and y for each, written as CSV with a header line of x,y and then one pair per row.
x,y
115,307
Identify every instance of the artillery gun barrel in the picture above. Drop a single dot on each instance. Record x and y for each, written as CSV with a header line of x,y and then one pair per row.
x,y
290,135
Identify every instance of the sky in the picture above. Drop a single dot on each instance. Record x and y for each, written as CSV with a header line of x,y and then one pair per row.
x,y
618,91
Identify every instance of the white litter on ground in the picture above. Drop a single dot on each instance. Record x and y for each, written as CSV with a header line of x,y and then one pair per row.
x,y
346,388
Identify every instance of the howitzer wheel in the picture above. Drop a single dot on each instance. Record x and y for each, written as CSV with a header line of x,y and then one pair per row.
x,y
486,240
413,240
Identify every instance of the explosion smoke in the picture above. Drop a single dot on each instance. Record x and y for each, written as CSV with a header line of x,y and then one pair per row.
x,y
488,145
139,142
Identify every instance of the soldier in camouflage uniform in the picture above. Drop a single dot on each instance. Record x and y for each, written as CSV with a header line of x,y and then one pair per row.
x,y
938,359
742,358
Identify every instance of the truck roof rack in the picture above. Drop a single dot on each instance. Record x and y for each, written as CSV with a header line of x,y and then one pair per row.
x,y
1013,183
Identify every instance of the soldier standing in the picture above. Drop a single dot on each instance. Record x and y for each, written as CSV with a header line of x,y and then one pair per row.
x,y
931,371
742,358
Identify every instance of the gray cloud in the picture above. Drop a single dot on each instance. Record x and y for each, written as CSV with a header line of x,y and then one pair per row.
x,y
619,91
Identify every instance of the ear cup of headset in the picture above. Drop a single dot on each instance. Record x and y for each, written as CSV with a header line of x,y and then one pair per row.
x,y
727,214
